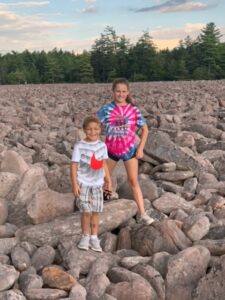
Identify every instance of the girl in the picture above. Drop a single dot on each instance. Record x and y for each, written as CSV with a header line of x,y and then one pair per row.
x,y
120,119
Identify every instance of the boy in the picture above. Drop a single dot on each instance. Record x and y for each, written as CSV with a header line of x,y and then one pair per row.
x,y
89,172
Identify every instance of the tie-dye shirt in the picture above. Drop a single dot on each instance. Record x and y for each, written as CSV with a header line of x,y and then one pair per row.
x,y
120,122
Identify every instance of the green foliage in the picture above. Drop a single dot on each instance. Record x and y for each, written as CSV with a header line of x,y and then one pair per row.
x,y
114,56
103,55
85,68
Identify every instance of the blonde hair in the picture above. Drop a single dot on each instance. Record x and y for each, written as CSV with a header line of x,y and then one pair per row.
x,y
90,119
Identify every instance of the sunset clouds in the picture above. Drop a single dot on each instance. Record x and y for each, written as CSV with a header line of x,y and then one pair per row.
x,y
75,24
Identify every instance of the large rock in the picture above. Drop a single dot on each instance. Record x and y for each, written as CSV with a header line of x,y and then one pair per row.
x,y
7,244
134,290
211,286
47,205
3,211
45,294
12,295
184,271
32,181
12,162
20,258
161,147
173,176
196,227
115,213
148,187
55,277
160,236
8,181
8,276
207,130
153,277
43,257
169,202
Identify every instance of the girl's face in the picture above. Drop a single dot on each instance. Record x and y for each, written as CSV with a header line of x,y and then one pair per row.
x,y
92,131
120,93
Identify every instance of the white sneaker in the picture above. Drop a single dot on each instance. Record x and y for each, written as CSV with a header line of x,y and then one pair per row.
x,y
145,219
95,245
84,242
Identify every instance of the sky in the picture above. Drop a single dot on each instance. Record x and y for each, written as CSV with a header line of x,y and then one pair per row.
x,y
74,25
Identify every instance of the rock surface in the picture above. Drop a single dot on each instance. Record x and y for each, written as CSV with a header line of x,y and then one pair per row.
x,y
181,256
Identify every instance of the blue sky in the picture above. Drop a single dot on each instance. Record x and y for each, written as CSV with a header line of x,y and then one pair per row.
x,y
76,24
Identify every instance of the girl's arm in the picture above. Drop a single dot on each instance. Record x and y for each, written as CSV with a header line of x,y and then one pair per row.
x,y
73,174
143,139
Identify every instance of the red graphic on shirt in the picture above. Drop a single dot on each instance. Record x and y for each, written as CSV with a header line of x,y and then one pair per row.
x,y
96,164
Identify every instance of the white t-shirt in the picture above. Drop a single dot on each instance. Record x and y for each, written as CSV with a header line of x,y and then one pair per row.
x,y
90,156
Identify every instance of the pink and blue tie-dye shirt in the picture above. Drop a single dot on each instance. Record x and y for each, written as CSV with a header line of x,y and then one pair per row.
x,y
120,123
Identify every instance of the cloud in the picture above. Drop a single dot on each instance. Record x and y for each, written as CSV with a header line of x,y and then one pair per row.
x,y
89,10
89,1
161,33
38,44
177,6
26,31
31,4
169,37
12,22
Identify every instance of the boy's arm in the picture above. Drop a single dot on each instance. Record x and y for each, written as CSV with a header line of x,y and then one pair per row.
x,y
107,179
143,139
73,174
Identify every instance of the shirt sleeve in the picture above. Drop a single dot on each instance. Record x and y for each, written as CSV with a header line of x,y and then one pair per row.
x,y
101,114
76,153
140,119
105,156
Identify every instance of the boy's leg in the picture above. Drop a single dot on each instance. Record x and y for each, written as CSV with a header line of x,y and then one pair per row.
x,y
85,223
97,207
94,223
94,241
83,204
85,227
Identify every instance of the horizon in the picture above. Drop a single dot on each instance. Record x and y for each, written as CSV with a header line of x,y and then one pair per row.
x,y
75,25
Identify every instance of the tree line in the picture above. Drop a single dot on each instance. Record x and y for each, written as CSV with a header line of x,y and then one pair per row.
x,y
113,56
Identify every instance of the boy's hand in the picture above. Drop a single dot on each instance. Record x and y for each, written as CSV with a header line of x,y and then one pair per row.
x,y
107,190
107,186
76,190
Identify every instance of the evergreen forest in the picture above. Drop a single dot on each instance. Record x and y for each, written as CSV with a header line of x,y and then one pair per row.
x,y
113,56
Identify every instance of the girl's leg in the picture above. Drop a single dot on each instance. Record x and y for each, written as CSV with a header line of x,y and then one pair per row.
x,y
85,223
131,166
94,223
111,165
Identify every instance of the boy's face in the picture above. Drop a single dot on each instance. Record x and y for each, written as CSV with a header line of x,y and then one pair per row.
x,y
92,131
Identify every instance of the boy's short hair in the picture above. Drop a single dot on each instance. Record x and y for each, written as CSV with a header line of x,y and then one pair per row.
x,y
90,119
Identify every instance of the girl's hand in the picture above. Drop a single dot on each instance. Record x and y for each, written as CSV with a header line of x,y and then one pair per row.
x,y
139,153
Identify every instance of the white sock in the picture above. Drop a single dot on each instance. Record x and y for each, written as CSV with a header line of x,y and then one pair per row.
x,y
94,237
85,234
